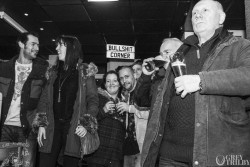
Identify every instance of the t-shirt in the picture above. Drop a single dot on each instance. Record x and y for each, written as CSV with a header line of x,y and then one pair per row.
x,y
22,72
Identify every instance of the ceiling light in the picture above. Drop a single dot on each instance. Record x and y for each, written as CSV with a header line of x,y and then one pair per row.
x,y
12,22
53,40
101,0
41,29
26,14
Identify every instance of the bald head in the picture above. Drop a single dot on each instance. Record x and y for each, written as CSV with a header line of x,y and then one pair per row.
x,y
207,16
168,47
218,5
175,42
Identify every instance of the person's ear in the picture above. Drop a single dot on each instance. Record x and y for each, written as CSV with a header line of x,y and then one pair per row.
x,y
134,74
20,44
222,18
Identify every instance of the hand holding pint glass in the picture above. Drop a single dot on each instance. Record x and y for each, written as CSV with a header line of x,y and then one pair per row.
x,y
178,64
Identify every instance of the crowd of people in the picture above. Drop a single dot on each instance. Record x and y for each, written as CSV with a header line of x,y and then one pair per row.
x,y
145,117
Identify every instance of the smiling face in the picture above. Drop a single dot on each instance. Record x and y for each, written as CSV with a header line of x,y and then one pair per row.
x,y
112,84
207,16
30,48
61,50
127,78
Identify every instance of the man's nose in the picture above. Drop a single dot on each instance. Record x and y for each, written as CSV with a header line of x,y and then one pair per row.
x,y
124,80
57,47
36,47
198,15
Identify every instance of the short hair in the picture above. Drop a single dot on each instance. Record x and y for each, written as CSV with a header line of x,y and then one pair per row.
x,y
172,40
218,5
23,37
175,41
74,49
139,62
118,68
127,67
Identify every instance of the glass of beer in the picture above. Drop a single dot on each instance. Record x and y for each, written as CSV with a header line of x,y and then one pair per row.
x,y
155,63
178,64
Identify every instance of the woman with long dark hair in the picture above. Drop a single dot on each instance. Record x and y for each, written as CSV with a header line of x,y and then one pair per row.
x,y
69,82
111,127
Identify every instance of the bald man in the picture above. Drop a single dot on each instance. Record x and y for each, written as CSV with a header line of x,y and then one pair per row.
x,y
201,119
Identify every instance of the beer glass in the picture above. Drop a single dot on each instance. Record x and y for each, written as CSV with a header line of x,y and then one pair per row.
x,y
154,63
178,64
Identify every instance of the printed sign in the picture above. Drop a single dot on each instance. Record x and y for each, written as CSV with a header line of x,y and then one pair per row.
x,y
120,51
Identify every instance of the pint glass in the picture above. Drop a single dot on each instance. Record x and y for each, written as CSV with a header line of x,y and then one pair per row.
x,y
178,64
154,63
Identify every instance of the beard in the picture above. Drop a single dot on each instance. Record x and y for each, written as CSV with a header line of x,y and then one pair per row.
x,y
30,54
128,86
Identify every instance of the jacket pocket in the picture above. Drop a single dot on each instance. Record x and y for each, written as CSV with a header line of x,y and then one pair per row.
x,y
4,85
234,112
36,88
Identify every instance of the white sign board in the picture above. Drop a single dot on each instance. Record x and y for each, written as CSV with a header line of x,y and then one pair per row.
x,y
120,51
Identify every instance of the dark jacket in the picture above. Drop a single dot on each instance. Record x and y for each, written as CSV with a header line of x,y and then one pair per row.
x,y
88,105
140,98
222,124
111,130
31,90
